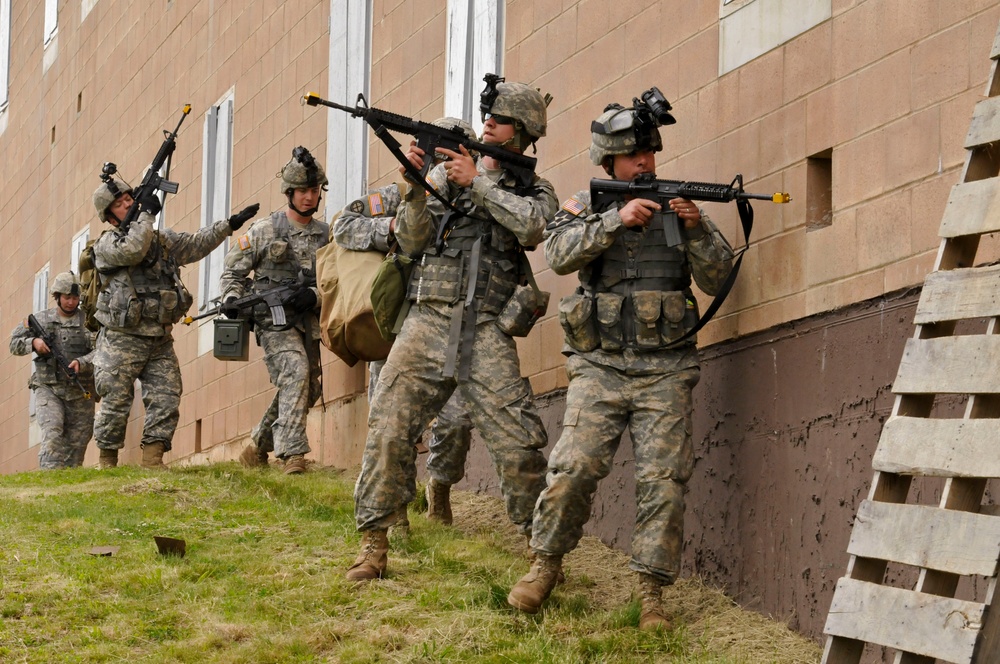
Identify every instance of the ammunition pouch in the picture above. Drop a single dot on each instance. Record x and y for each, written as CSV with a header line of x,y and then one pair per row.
x,y
578,320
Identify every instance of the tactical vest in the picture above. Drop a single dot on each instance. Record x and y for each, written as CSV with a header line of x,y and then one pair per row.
x,y
150,291
640,296
280,266
443,276
71,339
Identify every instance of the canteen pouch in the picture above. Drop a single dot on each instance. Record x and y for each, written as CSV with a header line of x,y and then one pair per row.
x,y
522,311
576,315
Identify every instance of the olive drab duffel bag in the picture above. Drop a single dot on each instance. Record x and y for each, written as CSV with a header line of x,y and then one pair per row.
x,y
347,325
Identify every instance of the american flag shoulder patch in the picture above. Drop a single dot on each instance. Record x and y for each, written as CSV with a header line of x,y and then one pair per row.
x,y
244,242
375,204
574,206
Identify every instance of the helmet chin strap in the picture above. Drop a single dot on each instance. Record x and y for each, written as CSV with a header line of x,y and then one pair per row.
x,y
305,213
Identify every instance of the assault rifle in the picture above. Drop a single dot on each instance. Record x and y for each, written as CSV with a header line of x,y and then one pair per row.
x,y
275,298
40,333
646,186
430,137
152,181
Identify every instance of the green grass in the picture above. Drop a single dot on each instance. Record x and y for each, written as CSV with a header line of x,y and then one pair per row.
x,y
263,581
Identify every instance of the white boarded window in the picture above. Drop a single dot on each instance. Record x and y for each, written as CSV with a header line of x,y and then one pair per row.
x,y
751,28
216,189
51,20
4,53
39,302
79,242
474,48
347,138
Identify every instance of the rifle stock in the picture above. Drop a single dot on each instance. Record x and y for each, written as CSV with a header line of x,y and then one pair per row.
x,y
39,332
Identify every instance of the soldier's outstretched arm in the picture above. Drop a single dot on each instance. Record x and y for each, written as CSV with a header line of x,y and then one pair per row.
x,y
192,247
365,224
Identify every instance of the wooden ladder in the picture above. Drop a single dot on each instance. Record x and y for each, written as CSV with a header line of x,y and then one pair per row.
x,y
956,538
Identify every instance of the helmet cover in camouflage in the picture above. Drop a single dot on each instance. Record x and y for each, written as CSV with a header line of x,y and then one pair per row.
x,y
65,283
302,171
617,131
523,103
106,194
456,123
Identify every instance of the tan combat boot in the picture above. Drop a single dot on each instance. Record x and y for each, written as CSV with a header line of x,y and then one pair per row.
x,y
152,455
439,502
652,616
295,464
371,561
560,577
108,459
535,587
253,457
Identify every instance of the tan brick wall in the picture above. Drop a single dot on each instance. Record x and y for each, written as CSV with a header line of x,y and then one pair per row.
x,y
135,67
887,85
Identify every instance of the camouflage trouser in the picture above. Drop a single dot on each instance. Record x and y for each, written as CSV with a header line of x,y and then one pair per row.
x,y
66,426
600,402
451,435
411,391
120,360
294,368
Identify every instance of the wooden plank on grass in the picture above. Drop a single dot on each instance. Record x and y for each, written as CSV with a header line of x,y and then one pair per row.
x,y
970,209
951,295
908,621
939,447
924,536
950,365
985,125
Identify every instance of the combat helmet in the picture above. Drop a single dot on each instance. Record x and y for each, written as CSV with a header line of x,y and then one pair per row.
x,y
526,105
460,124
302,171
456,123
65,283
108,191
620,130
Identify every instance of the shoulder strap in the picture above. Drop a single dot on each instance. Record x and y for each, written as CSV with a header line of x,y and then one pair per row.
x,y
746,220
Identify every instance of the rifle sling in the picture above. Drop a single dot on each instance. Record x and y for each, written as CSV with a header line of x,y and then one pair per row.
x,y
746,220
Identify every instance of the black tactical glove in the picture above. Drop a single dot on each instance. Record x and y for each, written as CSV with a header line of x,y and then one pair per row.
x,y
228,309
304,299
243,216
149,201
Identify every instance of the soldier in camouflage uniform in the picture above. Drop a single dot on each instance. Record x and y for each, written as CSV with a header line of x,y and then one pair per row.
x,y
450,339
280,250
141,299
367,225
634,300
64,413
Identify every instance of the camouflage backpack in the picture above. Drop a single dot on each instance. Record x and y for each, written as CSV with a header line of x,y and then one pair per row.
x,y
90,287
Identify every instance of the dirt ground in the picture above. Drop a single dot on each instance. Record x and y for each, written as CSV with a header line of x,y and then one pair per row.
x,y
709,615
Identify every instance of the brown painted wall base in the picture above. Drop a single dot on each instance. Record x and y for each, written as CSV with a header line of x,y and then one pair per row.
x,y
786,422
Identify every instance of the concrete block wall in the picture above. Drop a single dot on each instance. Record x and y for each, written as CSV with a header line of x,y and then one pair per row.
x,y
130,68
887,86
